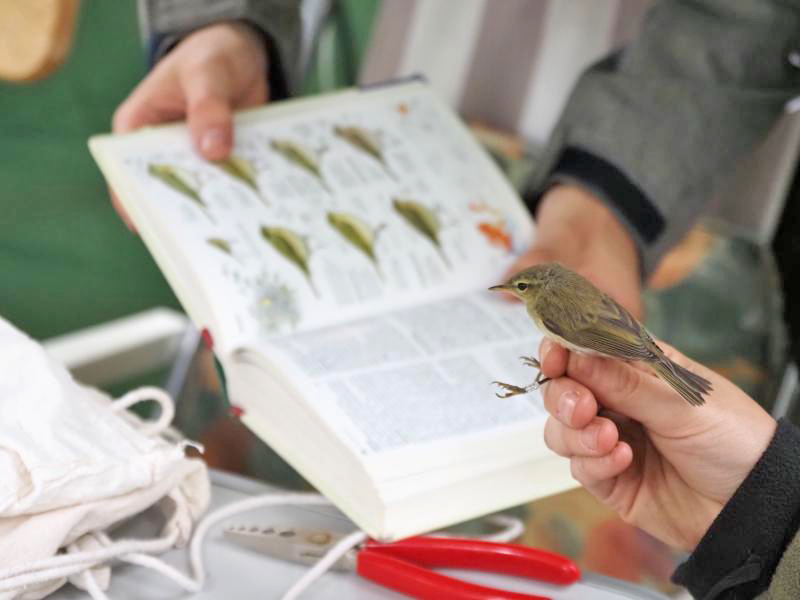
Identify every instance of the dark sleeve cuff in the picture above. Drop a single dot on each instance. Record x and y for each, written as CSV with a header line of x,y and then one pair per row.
x,y
276,73
740,551
609,183
161,44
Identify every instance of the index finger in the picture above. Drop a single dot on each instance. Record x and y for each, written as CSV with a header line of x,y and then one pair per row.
x,y
630,391
157,99
552,358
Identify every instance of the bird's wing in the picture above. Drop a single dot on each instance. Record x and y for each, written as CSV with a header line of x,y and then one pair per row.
x,y
601,329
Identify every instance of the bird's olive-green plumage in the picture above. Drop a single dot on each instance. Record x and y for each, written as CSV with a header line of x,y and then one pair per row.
x,y
571,310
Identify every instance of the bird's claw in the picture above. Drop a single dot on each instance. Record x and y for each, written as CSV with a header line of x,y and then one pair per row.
x,y
530,361
514,390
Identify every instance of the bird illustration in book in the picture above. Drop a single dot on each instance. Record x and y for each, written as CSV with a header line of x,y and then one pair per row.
x,y
242,170
293,247
357,233
423,220
181,181
302,157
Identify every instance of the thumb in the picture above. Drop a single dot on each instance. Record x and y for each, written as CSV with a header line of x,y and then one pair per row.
x,y
209,112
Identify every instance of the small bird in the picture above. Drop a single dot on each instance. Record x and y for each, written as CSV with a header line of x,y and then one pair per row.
x,y
570,310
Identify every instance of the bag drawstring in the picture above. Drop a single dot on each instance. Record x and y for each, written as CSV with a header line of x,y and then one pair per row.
x,y
140,552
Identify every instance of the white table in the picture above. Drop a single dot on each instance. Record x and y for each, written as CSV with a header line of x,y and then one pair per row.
x,y
236,573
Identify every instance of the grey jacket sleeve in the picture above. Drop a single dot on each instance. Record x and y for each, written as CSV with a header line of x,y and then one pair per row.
x,y
164,22
655,128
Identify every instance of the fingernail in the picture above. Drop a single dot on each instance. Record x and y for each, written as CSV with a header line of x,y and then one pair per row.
x,y
589,438
566,405
212,141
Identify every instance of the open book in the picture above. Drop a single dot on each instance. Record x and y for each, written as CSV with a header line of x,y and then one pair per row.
x,y
340,260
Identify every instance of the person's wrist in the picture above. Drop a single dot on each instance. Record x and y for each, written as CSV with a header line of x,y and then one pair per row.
x,y
250,36
572,215
237,38
568,200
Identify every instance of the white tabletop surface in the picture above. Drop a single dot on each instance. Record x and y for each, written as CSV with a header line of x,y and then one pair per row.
x,y
237,573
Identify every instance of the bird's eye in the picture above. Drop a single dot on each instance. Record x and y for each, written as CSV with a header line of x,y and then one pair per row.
x,y
522,287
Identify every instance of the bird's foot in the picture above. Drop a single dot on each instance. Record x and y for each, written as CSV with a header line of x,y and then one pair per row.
x,y
530,361
514,390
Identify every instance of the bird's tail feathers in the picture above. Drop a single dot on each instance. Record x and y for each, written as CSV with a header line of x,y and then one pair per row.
x,y
689,385
701,384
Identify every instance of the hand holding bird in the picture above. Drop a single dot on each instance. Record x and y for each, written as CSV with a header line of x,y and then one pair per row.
x,y
665,469
613,410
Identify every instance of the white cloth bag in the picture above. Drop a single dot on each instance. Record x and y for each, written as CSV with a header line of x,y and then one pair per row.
x,y
73,463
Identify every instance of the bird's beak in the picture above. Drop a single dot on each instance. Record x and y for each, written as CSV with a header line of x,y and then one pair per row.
x,y
503,287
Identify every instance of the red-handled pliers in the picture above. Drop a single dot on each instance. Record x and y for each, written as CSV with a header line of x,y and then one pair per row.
x,y
405,566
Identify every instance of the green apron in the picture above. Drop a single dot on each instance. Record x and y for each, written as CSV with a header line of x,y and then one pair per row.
x,y
67,261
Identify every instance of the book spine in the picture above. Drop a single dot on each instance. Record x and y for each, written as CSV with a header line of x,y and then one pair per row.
x,y
208,340
419,77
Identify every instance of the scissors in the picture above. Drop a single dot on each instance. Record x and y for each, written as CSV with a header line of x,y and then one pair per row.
x,y
404,566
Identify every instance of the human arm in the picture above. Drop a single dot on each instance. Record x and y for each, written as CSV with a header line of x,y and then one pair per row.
x,y
651,131
721,480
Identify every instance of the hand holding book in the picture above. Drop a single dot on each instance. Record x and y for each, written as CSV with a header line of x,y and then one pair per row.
x,y
209,74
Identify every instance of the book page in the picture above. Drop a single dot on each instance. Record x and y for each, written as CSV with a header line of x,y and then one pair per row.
x,y
416,375
378,200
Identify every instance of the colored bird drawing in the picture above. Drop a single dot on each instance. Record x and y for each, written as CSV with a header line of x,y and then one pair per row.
x,y
293,247
357,233
496,235
300,157
221,244
363,140
423,221
242,170
180,181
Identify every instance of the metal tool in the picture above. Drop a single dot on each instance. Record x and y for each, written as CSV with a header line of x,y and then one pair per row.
x,y
405,566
